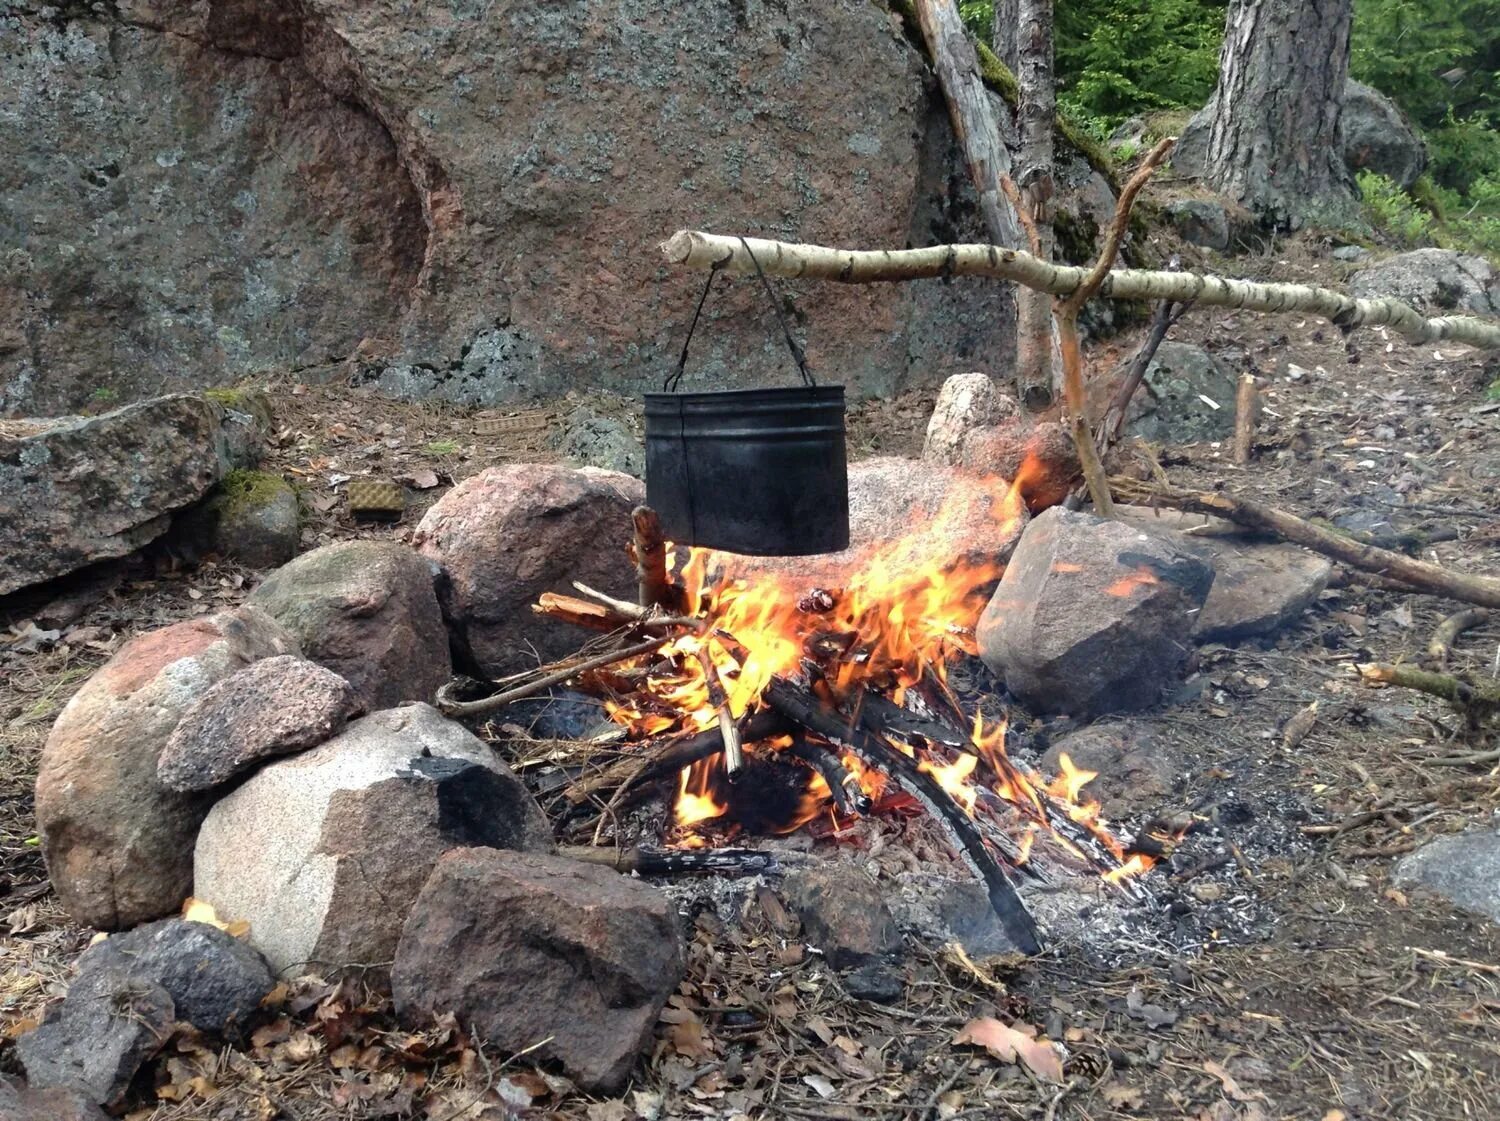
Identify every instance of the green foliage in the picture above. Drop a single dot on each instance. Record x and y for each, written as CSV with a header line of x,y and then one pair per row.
x,y
1390,210
1440,63
442,447
104,395
1118,57
1493,392
243,489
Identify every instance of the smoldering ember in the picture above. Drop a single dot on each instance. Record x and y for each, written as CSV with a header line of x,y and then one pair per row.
x,y
893,561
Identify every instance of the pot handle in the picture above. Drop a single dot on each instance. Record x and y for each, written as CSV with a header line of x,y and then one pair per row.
x,y
675,377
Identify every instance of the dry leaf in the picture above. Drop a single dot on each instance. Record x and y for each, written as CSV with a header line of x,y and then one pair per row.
x,y
1231,1087
1124,1097
610,1111
419,480
1013,1045
1297,727
821,1086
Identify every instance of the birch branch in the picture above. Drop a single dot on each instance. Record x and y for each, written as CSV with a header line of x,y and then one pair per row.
x,y
698,249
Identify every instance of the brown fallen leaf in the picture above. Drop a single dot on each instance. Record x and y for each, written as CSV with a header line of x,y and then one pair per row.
x,y
1231,1087
1014,1045
1124,1097
1295,730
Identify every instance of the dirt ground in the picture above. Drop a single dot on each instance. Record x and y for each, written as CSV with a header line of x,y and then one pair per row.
x,y
1342,997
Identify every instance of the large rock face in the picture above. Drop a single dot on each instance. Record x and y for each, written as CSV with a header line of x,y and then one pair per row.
x,y
531,951
354,827
508,534
367,610
118,843
82,489
457,200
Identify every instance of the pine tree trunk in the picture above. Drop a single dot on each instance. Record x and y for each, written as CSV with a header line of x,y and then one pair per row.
x,y
1037,110
1005,34
1273,143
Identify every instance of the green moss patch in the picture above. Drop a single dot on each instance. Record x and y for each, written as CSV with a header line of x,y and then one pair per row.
x,y
242,490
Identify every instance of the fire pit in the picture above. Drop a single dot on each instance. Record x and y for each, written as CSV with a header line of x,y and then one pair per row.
x,y
758,700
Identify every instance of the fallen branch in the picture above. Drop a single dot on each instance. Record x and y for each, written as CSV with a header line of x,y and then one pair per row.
x,y
1441,646
1477,701
697,249
1419,575
734,754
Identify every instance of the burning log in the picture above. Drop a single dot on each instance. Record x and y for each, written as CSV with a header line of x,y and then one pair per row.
x,y
677,862
803,708
842,784
649,550
734,755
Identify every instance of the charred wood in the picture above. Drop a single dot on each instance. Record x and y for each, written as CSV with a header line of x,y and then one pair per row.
x,y
677,862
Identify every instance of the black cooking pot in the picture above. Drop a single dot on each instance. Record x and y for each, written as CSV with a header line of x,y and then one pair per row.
x,y
757,471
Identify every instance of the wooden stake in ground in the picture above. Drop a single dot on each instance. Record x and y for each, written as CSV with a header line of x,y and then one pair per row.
x,y
1421,576
1246,411
649,550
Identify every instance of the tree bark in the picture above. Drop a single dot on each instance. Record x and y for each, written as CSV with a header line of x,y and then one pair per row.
x,y
1272,143
973,116
1035,365
697,249
1004,33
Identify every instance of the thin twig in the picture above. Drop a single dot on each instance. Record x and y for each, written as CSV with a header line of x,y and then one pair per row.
x,y
556,677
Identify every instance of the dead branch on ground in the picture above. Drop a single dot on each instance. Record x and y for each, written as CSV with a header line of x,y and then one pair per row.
x,y
1440,649
1419,575
1477,701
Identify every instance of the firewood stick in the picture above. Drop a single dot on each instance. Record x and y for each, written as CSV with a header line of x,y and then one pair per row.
x,y
650,549
565,672
1421,576
1246,413
1441,646
1167,313
603,617
670,756
803,708
734,756
677,862
842,784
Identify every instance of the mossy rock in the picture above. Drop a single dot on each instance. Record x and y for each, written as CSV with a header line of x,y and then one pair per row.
x,y
253,517
252,402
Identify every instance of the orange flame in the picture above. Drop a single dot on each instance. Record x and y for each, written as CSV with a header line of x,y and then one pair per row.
x,y
1142,577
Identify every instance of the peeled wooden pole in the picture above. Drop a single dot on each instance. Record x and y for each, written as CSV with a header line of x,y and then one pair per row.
x,y
698,249
1246,408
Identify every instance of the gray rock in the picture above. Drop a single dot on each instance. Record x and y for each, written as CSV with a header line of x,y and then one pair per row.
x,y
216,982
1201,222
1350,253
1169,406
118,843
508,534
1376,136
842,914
966,402
1190,153
20,1102
1258,588
360,184
252,517
1463,868
965,910
589,439
876,981
528,951
358,824
1433,280
278,706
1092,616
95,1040
75,490
367,610
1133,774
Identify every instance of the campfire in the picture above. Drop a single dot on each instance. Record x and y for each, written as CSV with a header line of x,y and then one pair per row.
x,y
765,699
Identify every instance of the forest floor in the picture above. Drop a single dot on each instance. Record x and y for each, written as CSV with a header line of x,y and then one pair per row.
x,y
1346,998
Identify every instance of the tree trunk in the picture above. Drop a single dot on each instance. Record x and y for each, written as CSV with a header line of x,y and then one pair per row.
x,y
1272,144
1037,109
1005,33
